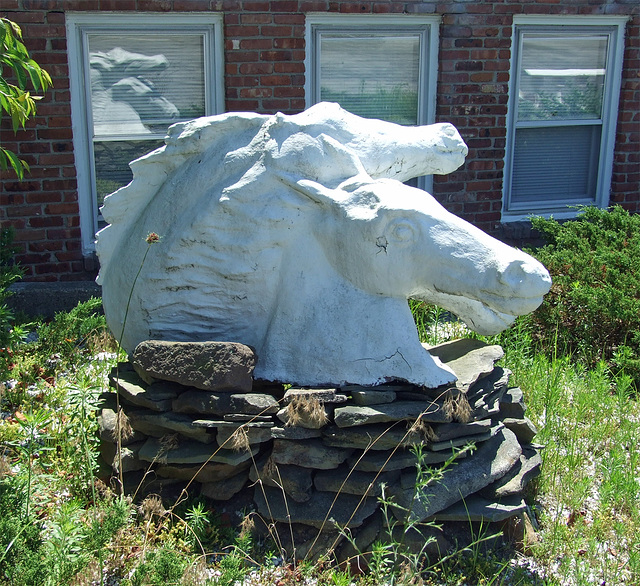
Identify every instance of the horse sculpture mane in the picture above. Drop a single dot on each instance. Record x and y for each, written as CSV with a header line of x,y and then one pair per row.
x,y
295,235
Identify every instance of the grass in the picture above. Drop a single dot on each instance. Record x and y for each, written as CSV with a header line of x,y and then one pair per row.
x,y
59,524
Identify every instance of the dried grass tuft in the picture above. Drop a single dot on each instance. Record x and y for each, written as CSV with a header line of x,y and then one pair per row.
x,y
240,440
307,411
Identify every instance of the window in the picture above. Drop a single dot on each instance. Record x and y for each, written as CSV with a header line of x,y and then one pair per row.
x,y
374,66
565,84
132,76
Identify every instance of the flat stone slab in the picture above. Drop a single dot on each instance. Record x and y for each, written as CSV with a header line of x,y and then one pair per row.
x,y
294,433
379,436
427,411
254,404
133,389
213,366
363,396
211,472
398,460
296,481
458,442
448,431
323,510
477,508
252,435
323,395
516,480
309,454
524,428
161,424
202,402
345,480
470,359
189,452
512,403
223,490
491,461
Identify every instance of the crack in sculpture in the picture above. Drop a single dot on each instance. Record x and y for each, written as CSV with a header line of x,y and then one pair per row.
x,y
271,232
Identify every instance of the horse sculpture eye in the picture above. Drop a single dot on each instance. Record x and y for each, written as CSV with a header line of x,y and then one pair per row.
x,y
402,232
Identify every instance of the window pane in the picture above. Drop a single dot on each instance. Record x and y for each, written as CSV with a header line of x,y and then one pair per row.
x,y
112,160
562,78
140,84
555,164
372,76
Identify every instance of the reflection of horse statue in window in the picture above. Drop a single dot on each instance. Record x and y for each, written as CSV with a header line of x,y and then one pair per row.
x,y
295,235
124,100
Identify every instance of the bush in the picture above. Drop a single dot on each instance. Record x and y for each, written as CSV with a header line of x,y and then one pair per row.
x,y
593,309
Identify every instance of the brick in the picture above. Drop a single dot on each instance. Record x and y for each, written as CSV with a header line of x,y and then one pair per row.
x,y
251,44
283,6
276,55
251,18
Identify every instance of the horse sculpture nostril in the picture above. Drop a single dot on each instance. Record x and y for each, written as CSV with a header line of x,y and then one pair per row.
x,y
527,276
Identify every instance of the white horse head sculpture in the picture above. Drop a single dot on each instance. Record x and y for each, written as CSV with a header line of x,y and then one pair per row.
x,y
295,235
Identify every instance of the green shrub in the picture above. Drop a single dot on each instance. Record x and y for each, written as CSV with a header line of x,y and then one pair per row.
x,y
9,273
593,309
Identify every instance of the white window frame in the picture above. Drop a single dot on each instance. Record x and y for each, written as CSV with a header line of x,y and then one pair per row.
x,y
614,26
79,25
426,26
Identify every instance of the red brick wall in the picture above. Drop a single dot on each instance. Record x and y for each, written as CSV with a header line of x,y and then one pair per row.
x,y
264,71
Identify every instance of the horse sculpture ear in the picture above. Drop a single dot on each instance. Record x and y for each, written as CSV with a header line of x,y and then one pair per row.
x,y
312,189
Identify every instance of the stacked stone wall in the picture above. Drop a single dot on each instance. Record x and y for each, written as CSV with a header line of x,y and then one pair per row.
x,y
193,420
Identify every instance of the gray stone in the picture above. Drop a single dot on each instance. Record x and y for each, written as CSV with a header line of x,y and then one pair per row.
x,y
188,452
107,429
294,433
253,435
379,436
223,490
350,551
202,402
491,387
246,417
447,431
323,510
160,424
363,396
477,508
516,480
512,404
297,482
253,404
398,460
323,395
129,458
310,454
213,366
493,459
211,472
524,429
427,411
469,359
134,390
349,481
458,442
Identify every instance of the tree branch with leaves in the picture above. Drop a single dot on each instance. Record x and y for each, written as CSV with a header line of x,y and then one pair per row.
x,y
15,98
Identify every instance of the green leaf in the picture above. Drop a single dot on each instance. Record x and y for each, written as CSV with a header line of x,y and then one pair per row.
x,y
17,165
